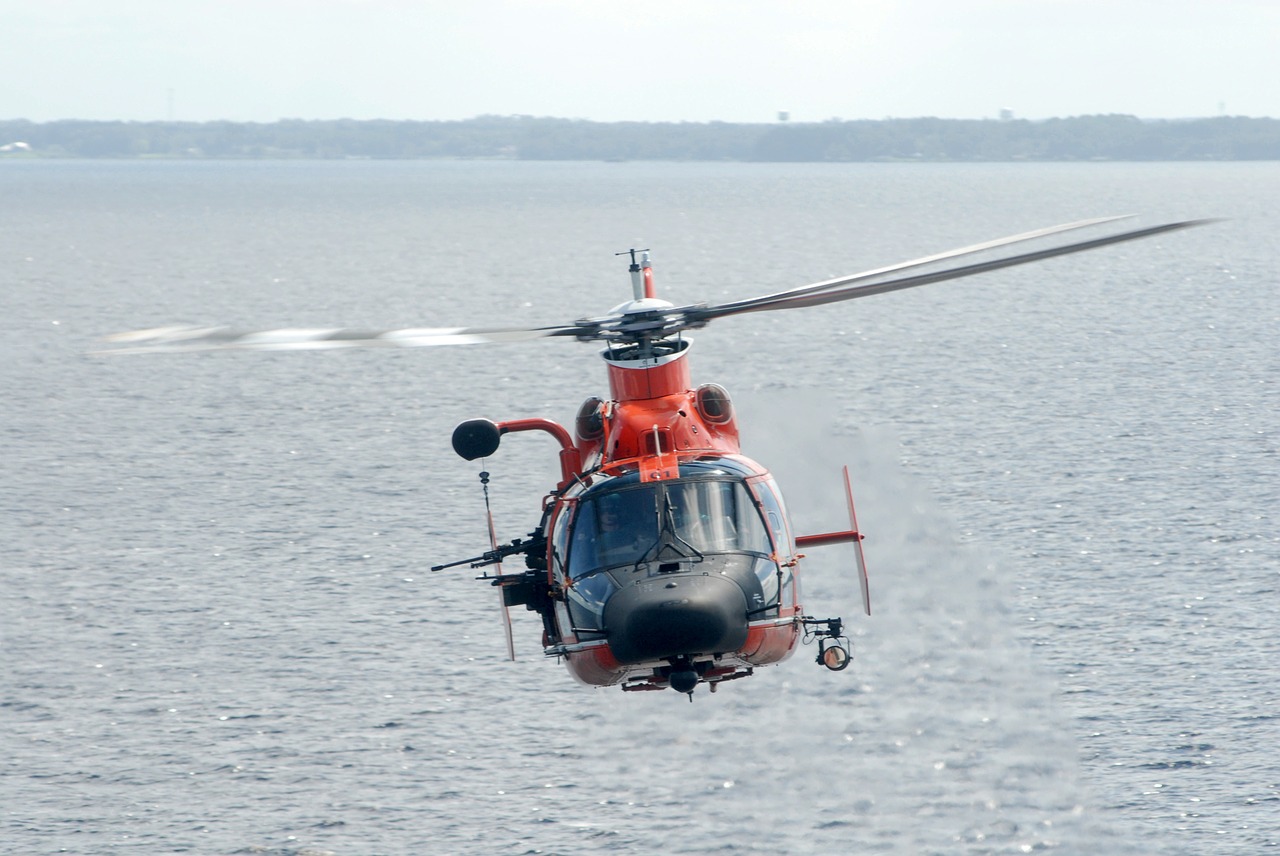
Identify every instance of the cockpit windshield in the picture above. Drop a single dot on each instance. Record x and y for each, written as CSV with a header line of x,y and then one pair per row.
x,y
665,521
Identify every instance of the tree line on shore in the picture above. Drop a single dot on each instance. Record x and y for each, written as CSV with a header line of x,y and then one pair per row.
x,y
1080,138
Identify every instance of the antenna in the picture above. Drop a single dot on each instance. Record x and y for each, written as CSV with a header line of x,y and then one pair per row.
x,y
641,278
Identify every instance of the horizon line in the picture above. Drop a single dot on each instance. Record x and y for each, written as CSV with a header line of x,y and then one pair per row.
x,y
778,121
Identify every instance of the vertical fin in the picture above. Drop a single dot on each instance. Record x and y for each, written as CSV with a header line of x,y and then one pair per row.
x,y
857,545
493,543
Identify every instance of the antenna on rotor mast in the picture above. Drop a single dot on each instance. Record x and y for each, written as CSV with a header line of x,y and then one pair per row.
x,y
641,274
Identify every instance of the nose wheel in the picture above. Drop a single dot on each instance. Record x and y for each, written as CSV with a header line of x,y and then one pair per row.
x,y
834,648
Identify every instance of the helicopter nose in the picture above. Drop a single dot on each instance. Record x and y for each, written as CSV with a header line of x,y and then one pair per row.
x,y
676,614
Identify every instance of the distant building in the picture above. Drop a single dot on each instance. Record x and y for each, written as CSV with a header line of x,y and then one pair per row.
x,y
1006,115
783,115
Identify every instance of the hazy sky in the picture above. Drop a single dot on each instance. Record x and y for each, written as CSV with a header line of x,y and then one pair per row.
x,y
652,60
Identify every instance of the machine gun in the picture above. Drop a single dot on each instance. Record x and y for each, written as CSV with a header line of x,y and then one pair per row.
x,y
532,548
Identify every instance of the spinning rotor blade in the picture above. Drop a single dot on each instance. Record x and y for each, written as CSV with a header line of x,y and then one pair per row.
x,y
639,321
827,285
303,339
833,291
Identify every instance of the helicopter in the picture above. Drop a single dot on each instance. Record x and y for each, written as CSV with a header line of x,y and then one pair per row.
x,y
663,557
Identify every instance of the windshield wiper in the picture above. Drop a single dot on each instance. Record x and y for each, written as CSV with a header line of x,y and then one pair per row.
x,y
668,538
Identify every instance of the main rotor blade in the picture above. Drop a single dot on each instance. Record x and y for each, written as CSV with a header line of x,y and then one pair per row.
x,y
808,297
303,339
628,325
826,285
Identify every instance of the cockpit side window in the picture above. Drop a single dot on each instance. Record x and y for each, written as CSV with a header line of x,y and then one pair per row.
x,y
771,501
560,536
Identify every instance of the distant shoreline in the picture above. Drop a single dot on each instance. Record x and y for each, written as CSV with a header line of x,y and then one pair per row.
x,y
1079,138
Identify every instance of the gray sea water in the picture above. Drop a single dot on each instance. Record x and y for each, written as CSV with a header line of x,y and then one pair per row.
x,y
218,629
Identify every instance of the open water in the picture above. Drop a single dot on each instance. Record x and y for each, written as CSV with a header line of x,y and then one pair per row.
x,y
218,630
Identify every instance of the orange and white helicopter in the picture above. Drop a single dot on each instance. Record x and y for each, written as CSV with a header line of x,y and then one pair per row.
x,y
663,557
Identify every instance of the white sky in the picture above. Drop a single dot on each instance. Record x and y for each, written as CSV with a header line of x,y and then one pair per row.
x,y
648,60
